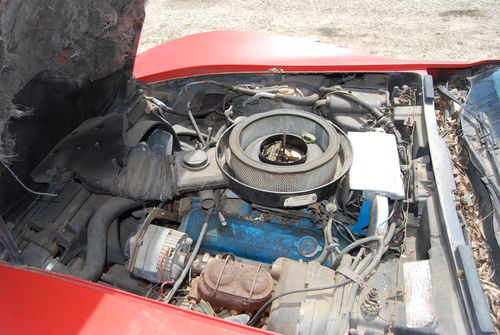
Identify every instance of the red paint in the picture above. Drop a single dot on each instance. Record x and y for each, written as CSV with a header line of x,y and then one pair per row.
x,y
64,55
38,302
238,51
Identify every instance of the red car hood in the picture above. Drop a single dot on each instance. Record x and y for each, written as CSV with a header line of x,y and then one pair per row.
x,y
241,51
39,302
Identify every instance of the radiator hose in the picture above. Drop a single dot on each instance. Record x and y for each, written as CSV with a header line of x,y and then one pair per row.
x,y
96,240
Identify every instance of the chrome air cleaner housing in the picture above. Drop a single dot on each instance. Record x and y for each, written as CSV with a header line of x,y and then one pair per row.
x,y
284,158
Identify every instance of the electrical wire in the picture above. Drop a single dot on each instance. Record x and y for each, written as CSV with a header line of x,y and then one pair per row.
x,y
162,287
355,245
403,223
404,212
347,230
342,234
163,107
161,263
23,185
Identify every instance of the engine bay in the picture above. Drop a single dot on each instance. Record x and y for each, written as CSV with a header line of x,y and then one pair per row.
x,y
301,204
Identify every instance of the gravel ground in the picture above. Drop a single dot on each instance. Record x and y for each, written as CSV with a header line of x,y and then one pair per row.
x,y
418,29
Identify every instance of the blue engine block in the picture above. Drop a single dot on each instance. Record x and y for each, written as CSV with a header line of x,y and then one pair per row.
x,y
255,234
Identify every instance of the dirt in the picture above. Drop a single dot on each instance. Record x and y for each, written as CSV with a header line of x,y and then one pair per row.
x,y
418,29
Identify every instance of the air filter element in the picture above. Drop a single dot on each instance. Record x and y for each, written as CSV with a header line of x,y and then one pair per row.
x,y
284,158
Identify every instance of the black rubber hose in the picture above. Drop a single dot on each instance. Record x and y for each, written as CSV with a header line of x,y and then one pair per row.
x,y
96,239
347,96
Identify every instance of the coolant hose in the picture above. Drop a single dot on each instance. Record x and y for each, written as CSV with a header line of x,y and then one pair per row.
x,y
96,239
191,259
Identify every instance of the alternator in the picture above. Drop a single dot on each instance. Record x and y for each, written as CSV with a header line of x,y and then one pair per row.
x,y
162,254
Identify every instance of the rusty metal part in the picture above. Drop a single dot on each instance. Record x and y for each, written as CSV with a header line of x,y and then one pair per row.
x,y
182,206
200,307
233,285
194,296
200,262
371,305
253,283
220,275
155,213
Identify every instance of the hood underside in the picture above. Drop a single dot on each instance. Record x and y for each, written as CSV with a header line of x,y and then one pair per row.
x,y
57,56
78,40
